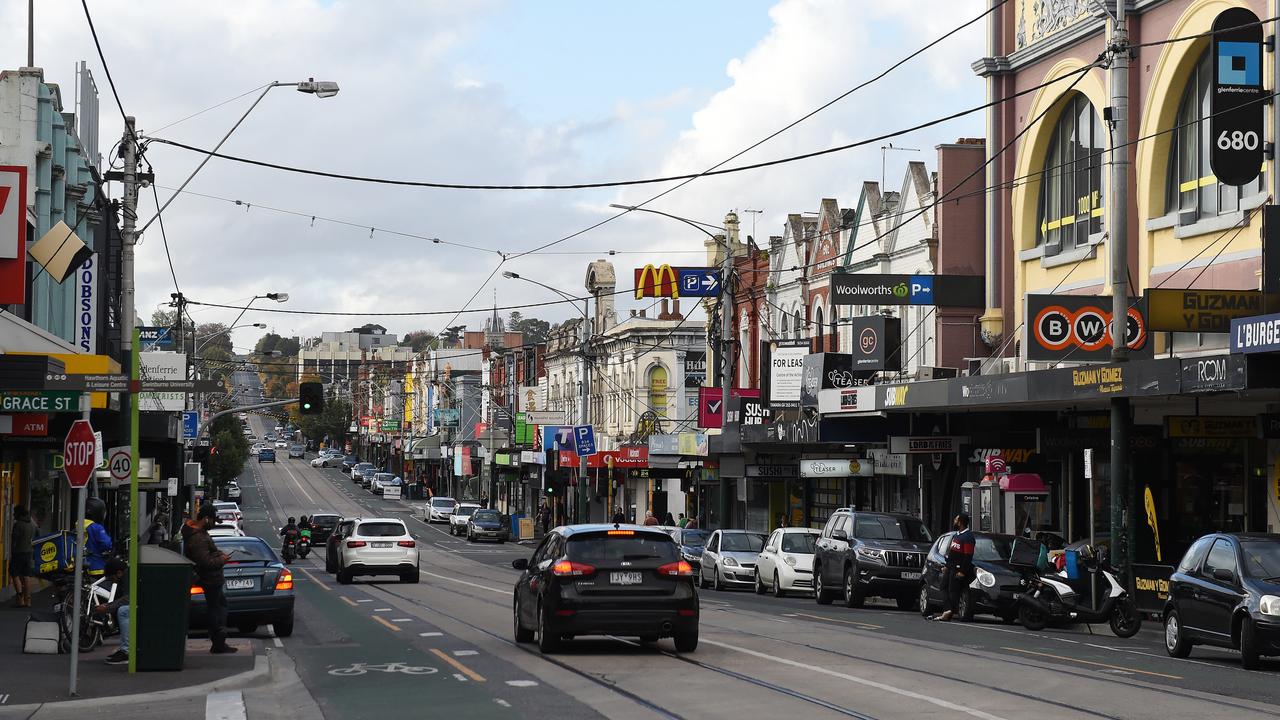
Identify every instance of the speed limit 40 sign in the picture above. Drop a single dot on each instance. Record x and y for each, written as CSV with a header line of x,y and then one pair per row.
x,y
120,462
1235,98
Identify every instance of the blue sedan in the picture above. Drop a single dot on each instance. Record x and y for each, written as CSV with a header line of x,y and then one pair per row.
x,y
258,585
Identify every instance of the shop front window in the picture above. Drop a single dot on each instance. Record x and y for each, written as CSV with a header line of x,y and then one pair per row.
x,y
1071,186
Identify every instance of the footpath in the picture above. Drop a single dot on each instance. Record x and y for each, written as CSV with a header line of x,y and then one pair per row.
x,y
32,681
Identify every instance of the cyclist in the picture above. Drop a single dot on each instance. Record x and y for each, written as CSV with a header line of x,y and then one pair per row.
x,y
117,571
97,544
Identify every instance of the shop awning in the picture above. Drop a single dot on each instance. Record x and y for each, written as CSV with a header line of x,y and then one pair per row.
x,y
427,448
1023,483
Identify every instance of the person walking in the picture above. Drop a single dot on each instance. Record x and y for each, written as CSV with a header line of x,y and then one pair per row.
x,y
649,519
546,518
21,566
959,566
201,550
669,520
782,520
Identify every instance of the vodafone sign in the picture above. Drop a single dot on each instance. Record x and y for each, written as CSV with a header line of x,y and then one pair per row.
x,y
1078,327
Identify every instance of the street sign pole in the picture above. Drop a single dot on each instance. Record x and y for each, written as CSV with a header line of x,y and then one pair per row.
x,y
134,610
81,495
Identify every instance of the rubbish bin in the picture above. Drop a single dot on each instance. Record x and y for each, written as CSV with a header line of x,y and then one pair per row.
x,y
162,608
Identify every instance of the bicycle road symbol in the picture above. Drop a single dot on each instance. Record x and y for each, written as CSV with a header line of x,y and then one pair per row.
x,y
393,667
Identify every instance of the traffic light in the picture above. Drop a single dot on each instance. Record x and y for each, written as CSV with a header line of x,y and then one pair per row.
x,y
554,483
310,398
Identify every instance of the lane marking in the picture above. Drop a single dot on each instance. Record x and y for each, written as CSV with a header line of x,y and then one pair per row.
x,y
364,600
378,619
430,634
315,579
457,665
521,683
299,484
464,653
401,619
502,702
460,677
228,705
1095,664
860,680
865,626
348,601
464,582
382,609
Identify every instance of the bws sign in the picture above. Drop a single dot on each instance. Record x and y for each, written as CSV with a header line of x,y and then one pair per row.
x,y
1079,327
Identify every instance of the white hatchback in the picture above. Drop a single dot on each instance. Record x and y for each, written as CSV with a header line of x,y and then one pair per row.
x,y
440,509
786,562
378,546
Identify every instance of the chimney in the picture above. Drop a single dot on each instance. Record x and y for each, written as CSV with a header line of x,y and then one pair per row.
x,y
675,310
633,312
642,313
665,313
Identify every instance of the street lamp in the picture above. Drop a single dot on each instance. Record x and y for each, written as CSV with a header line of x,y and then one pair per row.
x,y
224,331
278,297
691,223
586,375
310,86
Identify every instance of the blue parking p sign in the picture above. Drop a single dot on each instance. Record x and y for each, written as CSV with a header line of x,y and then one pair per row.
x,y
584,440
189,425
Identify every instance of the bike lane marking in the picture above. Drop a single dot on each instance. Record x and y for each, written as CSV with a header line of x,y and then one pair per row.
x,y
384,623
861,625
1095,664
314,579
457,665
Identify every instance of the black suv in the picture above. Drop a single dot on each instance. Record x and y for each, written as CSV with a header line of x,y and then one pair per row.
x,y
1226,592
870,554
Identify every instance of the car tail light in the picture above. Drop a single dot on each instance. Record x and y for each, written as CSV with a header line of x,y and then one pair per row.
x,y
566,613
197,590
677,569
566,568
356,543
407,543
686,612
285,581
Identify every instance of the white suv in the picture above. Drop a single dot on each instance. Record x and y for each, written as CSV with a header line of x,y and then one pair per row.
x,y
378,546
440,508
458,520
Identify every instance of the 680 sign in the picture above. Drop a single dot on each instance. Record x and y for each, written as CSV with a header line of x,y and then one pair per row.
x,y
1078,328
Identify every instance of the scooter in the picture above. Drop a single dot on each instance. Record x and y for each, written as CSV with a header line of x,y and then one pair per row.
x,y
1052,598
304,544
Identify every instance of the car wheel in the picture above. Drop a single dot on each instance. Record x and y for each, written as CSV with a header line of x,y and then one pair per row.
x,y
283,626
411,577
1031,618
1248,645
344,577
853,596
247,628
702,579
778,592
923,602
964,607
715,579
820,593
759,585
522,634
1175,641
687,641
548,639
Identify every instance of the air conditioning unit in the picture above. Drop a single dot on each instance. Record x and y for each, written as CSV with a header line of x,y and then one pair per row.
x,y
936,373
990,366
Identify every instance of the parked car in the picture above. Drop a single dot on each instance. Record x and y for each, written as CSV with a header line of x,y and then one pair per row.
x,y
358,471
382,480
322,525
296,451
366,477
461,514
486,524
327,461
266,455
259,588
233,490
440,508
870,554
349,462
229,518
692,543
638,586
229,530
221,505
1226,593
333,543
993,587
786,562
729,559
378,546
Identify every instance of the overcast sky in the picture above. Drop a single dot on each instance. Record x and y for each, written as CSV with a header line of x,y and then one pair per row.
x,y
492,92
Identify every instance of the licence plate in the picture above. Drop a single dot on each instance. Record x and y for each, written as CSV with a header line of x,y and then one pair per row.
x,y
240,583
910,576
625,578
382,544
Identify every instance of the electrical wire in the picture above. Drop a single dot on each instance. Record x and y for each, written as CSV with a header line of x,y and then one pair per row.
x,y
211,107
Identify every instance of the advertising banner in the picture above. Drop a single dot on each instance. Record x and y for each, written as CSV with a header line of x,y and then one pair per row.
x,y
888,463
1078,328
1214,374
1256,334
1202,311
156,338
786,372
86,314
695,368
877,343
826,371
838,467
13,234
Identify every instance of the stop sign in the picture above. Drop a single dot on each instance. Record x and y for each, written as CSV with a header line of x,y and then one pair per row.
x,y
78,454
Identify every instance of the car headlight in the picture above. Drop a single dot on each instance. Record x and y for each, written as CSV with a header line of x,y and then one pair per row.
x,y
730,562
985,579
789,559
1269,605
875,554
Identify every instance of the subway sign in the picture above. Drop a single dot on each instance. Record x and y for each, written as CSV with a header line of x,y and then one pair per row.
x,y
946,290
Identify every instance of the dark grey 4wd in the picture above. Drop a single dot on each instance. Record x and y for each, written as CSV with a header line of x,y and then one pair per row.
x,y
870,554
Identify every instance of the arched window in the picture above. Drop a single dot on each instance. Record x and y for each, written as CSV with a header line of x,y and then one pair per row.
x,y
835,329
782,326
1192,190
658,390
817,333
1071,186
796,325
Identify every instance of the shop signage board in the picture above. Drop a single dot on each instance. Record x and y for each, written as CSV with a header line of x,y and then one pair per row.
x,y
836,467
945,290
1078,328
877,343
930,393
694,444
1269,426
664,445
447,417
888,463
156,338
786,372
988,389
544,417
667,281
632,456
1218,373
1151,587
25,425
1256,334
711,404
39,401
826,371
771,471
914,445
86,312
1203,311
161,367
748,411
13,234
1132,379
848,400
533,457
1236,136
1211,426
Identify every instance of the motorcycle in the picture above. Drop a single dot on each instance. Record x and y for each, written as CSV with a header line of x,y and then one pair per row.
x,y
304,544
288,550
1056,599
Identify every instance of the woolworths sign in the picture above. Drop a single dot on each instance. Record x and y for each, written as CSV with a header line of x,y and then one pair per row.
x,y
948,290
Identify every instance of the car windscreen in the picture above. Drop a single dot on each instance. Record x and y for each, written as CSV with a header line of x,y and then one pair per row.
x,y
694,538
887,527
465,511
992,549
741,542
380,529
441,502
244,550
364,466
486,516
1261,560
614,549
802,543
383,477
325,521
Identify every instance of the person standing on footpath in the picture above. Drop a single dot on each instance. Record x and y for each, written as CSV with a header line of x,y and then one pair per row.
x,y
201,550
20,559
959,566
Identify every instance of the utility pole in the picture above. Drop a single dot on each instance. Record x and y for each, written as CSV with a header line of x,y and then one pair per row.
x,y
1117,231
581,494
726,365
31,37
129,348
